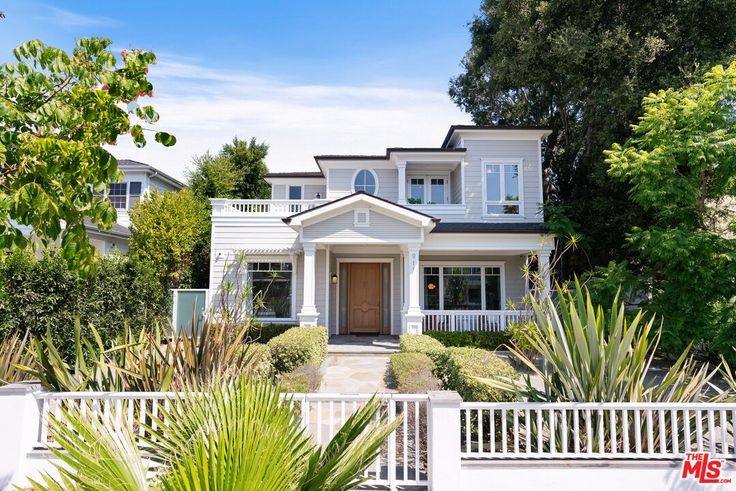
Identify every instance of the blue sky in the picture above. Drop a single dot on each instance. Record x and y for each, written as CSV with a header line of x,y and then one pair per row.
x,y
305,77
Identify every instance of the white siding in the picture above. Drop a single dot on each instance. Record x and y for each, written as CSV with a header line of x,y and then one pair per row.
x,y
480,150
341,182
456,185
382,228
279,191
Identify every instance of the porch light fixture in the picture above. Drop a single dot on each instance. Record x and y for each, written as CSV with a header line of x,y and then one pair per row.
x,y
333,279
431,286
318,196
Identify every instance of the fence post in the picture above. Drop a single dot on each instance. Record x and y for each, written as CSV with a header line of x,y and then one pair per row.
x,y
443,440
20,421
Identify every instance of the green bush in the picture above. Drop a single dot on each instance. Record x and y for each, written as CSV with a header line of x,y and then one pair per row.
x,y
299,346
413,373
260,362
457,367
419,343
306,378
488,340
36,294
263,333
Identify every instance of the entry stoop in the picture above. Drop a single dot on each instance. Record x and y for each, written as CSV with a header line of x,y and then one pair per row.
x,y
356,344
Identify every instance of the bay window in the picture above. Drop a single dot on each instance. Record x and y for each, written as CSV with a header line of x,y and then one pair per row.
x,y
461,287
502,194
271,289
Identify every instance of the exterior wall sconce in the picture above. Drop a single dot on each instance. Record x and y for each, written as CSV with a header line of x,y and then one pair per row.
x,y
318,196
333,279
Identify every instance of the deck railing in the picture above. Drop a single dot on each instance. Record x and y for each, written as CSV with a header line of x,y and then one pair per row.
x,y
596,430
403,460
264,207
469,320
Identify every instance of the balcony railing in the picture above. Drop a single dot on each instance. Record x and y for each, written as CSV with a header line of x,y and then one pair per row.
x,y
470,320
266,207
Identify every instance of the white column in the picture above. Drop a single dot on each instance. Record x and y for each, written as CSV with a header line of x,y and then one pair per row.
x,y
19,425
443,440
401,165
413,317
309,315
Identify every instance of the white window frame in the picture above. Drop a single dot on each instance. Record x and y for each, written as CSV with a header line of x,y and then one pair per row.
x,y
106,193
375,176
249,282
301,191
486,201
428,187
466,264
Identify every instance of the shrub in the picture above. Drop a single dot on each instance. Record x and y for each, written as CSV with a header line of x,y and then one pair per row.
x,y
263,333
259,360
488,340
299,346
40,295
413,373
458,367
419,343
306,378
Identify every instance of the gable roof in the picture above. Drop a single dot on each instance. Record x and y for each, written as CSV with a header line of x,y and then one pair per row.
x,y
332,206
151,170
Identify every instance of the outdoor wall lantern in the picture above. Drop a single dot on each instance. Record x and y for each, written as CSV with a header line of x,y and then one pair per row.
x,y
333,279
318,196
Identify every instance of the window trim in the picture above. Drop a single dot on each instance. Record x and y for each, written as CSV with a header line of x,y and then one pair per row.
x,y
301,191
294,278
486,201
127,184
428,187
473,264
364,212
375,176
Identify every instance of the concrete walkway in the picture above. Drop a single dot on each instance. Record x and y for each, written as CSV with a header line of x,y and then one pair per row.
x,y
358,364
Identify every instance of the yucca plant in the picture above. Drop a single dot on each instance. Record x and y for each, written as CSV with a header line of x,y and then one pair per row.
x,y
13,352
233,435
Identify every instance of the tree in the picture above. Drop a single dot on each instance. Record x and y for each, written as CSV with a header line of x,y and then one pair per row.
x,y
213,177
681,165
57,110
167,231
248,158
582,68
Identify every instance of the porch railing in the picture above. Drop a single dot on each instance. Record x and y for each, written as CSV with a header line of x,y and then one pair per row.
x,y
469,320
268,207
596,430
402,462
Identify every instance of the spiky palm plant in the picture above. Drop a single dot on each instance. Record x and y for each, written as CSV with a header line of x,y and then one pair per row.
x,y
13,352
232,435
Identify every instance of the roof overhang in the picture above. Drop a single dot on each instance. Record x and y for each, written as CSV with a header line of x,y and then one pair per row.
x,y
361,200
494,132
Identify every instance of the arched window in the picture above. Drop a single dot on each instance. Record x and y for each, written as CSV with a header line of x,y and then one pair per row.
x,y
365,180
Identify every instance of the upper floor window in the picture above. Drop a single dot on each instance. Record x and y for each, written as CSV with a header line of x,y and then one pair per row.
x,y
428,189
124,195
502,189
365,180
295,192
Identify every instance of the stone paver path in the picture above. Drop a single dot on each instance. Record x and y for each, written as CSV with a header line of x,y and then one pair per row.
x,y
351,374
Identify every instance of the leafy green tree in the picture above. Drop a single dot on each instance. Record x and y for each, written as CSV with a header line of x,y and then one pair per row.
x,y
248,158
213,177
57,110
681,166
167,231
582,68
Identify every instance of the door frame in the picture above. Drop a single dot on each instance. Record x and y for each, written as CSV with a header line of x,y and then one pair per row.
x,y
390,262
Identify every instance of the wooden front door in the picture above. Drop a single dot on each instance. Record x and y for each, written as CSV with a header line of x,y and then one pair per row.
x,y
364,298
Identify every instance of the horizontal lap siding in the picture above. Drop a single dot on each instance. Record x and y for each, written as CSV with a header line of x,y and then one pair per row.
x,y
342,227
311,190
278,191
480,150
456,183
341,183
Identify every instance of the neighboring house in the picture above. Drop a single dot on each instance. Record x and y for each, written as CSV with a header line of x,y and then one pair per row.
x,y
139,180
417,238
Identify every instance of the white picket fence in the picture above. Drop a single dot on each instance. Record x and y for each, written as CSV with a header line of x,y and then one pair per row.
x,y
469,320
596,430
401,463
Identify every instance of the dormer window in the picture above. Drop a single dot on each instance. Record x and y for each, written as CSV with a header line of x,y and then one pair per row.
x,y
365,180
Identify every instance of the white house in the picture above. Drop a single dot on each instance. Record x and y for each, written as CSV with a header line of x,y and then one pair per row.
x,y
139,180
413,239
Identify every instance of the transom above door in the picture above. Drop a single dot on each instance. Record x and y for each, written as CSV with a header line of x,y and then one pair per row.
x,y
364,298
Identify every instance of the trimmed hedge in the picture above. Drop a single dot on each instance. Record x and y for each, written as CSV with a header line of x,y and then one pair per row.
x,y
299,346
488,340
260,362
263,333
457,368
419,343
306,378
413,373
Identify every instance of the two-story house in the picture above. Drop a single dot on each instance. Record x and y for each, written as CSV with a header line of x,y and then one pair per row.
x,y
414,239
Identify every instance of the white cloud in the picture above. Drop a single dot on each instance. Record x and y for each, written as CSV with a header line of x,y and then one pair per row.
x,y
205,108
69,19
